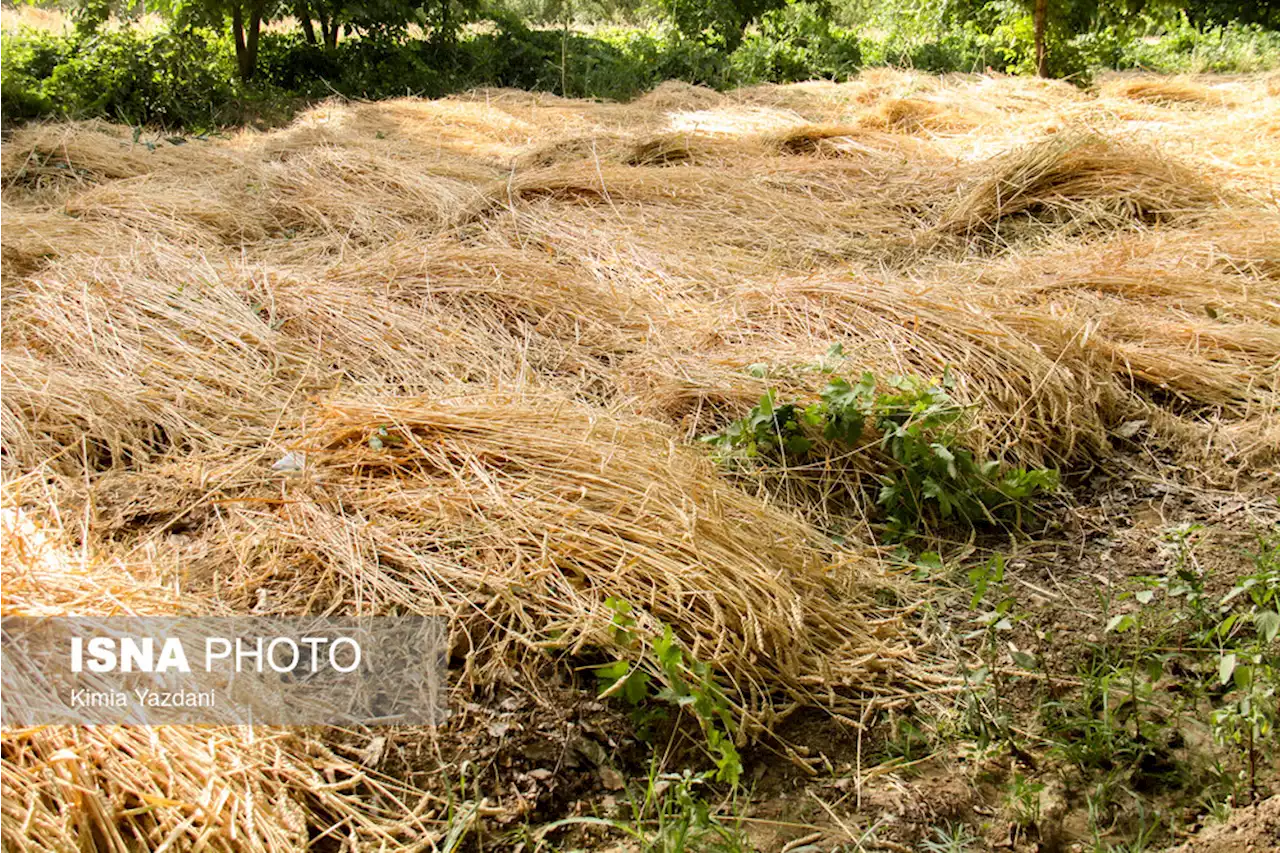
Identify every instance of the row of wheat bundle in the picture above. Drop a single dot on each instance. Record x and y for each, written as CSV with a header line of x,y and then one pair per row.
x,y
1166,90
45,162
1196,359
915,115
1054,347
124,788
548,291
1074,175
114,361
886,156
35,237
645,149
116,368
1191,313
700,229
521,517
1030,404
350,196
460,135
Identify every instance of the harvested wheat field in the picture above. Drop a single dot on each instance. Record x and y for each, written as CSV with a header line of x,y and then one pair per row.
x,y
491,331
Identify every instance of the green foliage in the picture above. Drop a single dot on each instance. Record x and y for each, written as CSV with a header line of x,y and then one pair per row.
x,y
952,838
1263,13
25,62
796,42
671,817
192,73
1249,660
687,684
717,23
995,614
1179,46
1013,40
169,78
917,429
1224,649
1023,797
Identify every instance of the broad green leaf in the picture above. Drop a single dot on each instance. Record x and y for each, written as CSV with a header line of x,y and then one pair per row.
x,y
1120,623
1267,624
1226,666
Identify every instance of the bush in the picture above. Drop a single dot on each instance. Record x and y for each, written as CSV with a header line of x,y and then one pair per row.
x,y
794,43
1014,41
288,62
926,473
21,95
1181,47
1105,48
674,57
168,79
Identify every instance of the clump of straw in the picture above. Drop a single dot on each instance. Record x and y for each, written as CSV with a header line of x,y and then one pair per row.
x,y
1071,175
118,788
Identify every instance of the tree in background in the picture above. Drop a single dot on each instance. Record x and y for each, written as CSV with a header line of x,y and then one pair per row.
x,y
442,18
245,18
1042,56
718,23
1265,13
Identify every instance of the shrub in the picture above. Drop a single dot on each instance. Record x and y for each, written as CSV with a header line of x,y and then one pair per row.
x,y
186,77
1105,48
1014,41
288,62
693,62
167,78
1182,47
795,43
21,96
926,474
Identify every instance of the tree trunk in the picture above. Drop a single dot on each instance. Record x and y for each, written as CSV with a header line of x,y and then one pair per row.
x,y
303,13
1042,55
247,38
251,43
237,27
329,29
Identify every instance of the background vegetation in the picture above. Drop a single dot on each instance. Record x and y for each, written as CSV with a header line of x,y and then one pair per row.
x,y
199,64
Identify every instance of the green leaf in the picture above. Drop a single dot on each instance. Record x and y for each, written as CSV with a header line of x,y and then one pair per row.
x,y
608,674
1120,623
1226,667
636,688
1267,624
946,456
1155,668
930,560
798,445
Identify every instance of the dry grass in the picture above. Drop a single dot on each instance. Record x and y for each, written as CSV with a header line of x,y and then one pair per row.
x,y
119,788
1072,176
542,301
519,516
1166,91
911,115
